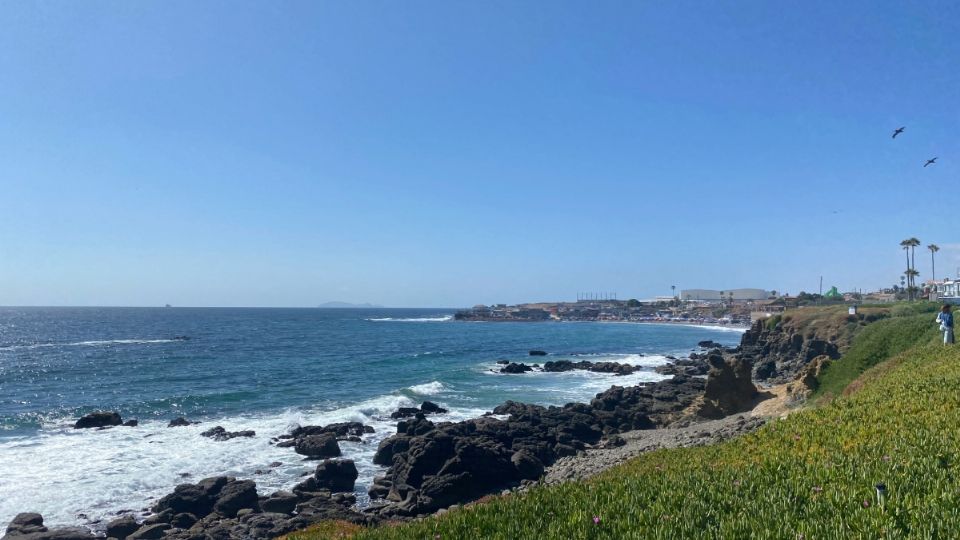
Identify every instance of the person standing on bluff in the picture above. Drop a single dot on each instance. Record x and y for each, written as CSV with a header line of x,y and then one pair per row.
x,y
945,318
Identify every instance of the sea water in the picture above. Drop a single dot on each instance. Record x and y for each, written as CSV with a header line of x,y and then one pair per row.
x,y
267,370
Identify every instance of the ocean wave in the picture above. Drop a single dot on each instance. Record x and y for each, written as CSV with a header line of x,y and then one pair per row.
x,y
442,318
92,343
131,467
428,389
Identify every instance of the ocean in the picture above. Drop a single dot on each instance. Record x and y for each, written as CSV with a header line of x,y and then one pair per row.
x,y
267,370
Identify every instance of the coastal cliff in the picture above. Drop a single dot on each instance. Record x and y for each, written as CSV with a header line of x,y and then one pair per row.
x,y
781,347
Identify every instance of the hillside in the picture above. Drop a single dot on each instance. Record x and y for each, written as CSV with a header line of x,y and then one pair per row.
x,y
811,475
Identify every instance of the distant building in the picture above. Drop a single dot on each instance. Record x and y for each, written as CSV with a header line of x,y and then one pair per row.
x,y
710,295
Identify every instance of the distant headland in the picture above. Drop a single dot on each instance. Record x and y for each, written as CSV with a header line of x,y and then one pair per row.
x,y
336,304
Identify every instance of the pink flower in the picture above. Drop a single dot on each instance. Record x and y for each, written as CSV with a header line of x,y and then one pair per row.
x,y
886,458
866,503
596,520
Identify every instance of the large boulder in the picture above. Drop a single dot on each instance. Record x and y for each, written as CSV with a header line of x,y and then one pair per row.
x,y
236,496
729,388
26,523
318,446
336,475
179,422
197,499
405,412
151,532
122,527
98,419
528,466
29,526
429,407
280,502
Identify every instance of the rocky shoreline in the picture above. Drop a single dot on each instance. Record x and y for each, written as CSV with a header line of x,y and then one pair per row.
x,y
431,466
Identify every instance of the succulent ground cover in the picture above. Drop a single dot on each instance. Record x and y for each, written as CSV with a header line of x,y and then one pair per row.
x,y
880,462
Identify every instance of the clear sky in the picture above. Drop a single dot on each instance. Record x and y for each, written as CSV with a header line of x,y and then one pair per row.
x,y
452,153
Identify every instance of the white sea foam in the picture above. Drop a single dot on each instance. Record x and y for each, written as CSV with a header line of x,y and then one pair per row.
x,y
102,472
94,343
442,318
428,389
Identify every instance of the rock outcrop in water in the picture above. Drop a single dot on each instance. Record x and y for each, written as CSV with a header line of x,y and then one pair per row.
x,y
598,367
514,368
427,407
98,419
323,445
218,433
567,365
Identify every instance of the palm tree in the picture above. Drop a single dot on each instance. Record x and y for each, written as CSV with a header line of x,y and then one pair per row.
x,y
905,244
933,263
914,242
908,246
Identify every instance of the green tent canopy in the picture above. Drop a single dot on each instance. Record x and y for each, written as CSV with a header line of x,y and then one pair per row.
x,y
832,293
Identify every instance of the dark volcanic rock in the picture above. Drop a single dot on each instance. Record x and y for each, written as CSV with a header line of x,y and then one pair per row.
x,y
538,353
218,433
340,430
336,475
150,532
695,365
318,446
131,423
282,502
178,422
405,412
435,465
515,368
197,499
98,419
236,496
780,352
29,526
599,367
122,527
429,407
527,465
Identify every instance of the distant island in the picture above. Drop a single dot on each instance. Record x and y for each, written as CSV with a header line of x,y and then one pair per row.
x,y
347,305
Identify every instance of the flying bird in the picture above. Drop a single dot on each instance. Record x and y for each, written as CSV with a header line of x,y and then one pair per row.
x,y
930,162
898,131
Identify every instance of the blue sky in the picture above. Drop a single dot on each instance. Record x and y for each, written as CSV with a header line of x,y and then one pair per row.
x,y
453,153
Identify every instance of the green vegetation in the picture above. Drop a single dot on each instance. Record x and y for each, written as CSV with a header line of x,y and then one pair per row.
x,y
811,475
912,324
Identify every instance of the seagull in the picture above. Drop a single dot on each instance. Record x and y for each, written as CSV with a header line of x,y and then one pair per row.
x,y
898,131
930,162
